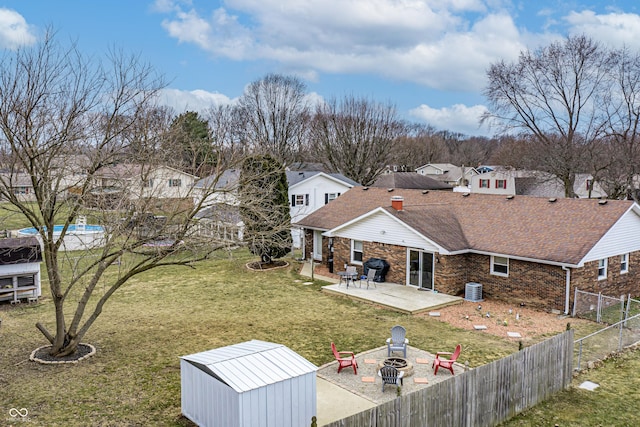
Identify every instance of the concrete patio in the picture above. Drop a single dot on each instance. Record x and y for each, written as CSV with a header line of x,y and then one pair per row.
x,y
406,299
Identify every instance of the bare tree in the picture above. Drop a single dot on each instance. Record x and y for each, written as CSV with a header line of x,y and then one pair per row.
x,y
65,121
421,144
355,137
622,146
554,95
275,113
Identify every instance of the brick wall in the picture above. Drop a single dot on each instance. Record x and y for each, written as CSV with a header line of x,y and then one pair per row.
x,y
536,285
616,284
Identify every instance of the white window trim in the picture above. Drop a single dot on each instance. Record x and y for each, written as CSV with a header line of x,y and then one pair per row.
x,y
353,244
498,273
604,267
624,261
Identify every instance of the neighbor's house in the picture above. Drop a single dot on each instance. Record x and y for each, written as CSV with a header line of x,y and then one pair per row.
x,y
133,182
309,191
19,184
449,174
532,183
409,180
20,269
519,248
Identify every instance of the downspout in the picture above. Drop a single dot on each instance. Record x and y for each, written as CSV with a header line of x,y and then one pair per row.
x,y
568,289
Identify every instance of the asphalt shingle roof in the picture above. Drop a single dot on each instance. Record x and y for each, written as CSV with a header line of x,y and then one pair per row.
x,y
562,231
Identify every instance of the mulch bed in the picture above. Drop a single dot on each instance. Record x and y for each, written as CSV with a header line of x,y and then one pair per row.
x,y
260,266
42,355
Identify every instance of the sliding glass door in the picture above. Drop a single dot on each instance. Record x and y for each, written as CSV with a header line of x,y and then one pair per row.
x,y
420,269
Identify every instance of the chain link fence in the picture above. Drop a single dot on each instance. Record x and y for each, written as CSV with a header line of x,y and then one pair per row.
x,y
599,308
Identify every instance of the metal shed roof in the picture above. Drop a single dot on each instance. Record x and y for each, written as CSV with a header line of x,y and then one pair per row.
x,y
252,364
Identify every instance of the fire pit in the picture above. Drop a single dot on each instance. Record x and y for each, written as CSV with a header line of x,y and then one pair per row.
x,y
399,363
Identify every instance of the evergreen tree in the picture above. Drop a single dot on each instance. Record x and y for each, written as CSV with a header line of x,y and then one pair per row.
x,y
264,207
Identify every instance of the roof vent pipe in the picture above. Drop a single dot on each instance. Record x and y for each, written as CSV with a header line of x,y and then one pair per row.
x,y
396,202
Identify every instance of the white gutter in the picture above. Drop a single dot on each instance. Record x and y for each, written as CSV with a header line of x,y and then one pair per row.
x,y
568,290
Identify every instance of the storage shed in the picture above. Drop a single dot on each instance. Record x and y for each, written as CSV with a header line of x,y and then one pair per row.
x,y
251,384
20,269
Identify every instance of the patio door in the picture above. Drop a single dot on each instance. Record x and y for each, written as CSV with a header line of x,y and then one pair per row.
x,y
420,269
317,245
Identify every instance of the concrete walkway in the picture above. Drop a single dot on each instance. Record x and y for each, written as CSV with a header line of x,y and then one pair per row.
x,y
335,403
406,299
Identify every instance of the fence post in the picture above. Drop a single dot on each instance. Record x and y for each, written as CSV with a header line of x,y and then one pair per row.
x,y
575,299
579,354
598,314
626,312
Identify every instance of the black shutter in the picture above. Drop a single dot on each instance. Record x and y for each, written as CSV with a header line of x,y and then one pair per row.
x,y
293,200
326,198
306,200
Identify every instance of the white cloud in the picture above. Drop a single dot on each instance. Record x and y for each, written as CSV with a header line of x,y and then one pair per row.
x,y
195,100
616,29
14,30
441,44
458,118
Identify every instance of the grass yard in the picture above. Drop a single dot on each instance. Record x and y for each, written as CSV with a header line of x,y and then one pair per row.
x,y
134,379
614,403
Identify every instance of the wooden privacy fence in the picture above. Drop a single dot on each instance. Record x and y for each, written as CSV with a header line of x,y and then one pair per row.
x,y
484,396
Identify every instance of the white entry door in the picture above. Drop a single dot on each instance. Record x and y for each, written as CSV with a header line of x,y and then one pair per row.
x,y
317,245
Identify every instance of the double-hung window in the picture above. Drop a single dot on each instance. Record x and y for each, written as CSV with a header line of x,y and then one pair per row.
x,y
175,183
484,183
602,269
501,183
328,197
624,263
356,251
300,200
500,266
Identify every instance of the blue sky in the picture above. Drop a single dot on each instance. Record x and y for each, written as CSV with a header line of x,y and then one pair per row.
x,y
428,57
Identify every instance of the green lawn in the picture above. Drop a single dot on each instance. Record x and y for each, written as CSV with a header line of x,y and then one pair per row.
x,y
134,379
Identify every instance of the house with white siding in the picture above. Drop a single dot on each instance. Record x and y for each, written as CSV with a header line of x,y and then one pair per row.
x,y
307,192
533,183
522,249
448,173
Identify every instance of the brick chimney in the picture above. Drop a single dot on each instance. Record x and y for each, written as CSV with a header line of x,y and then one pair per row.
x,y
396,202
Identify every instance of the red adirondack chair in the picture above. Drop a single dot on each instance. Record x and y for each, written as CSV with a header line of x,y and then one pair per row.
x,y
446,363
344,362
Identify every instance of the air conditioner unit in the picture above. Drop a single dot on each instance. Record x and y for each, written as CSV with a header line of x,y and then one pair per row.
x,y
473,292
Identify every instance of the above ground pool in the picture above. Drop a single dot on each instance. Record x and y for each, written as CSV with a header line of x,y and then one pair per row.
x,y
78,237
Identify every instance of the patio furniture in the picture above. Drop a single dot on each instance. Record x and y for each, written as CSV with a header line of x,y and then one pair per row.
x,y
345,362
446,363
398,341
390,375
369,278
350,275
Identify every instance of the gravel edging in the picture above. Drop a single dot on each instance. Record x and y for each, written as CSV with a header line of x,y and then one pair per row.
x,y
35,358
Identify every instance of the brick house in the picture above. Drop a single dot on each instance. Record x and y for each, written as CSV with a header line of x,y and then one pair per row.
x,y
521,249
